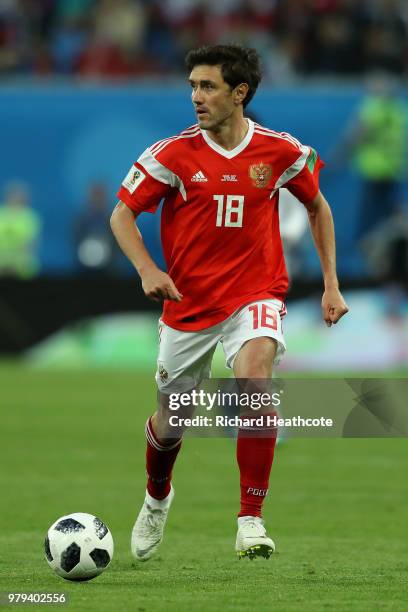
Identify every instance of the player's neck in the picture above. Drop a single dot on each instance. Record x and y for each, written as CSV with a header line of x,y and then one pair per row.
x,y
231,133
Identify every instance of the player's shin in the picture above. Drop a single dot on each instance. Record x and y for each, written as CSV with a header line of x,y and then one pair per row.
x,y
160,459
255,451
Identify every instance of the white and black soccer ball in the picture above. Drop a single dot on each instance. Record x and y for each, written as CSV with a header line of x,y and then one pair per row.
x,y
78,546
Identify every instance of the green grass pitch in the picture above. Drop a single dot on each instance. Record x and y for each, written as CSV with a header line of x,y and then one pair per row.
x,y
73,441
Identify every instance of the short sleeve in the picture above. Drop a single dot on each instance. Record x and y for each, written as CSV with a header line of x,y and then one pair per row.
x,y
140,191
304,185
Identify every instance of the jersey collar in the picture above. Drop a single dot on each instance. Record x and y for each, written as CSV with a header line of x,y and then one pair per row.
x,y
238,149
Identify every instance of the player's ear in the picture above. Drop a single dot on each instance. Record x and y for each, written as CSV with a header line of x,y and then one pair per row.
x,y
240,93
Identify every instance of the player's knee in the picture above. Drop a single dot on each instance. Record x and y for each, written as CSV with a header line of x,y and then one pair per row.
x,y
160,421
257,370
256,366
255,359
164,432
165,427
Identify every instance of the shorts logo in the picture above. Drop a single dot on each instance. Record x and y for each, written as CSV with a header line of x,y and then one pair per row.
x,y
133,179
260,174
163,374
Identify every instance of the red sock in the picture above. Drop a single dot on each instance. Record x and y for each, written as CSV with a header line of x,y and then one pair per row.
x,y
159,463
255,451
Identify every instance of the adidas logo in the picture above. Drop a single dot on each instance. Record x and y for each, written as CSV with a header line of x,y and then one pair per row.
x,y
199,177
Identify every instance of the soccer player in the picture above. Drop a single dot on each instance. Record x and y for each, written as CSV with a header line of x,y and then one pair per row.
x,y
226,279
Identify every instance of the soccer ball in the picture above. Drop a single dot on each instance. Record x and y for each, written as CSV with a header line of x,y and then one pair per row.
x,y
78,546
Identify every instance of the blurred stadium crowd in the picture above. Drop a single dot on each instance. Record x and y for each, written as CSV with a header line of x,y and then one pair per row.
x,y
133,38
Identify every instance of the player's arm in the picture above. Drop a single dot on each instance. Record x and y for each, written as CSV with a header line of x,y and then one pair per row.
x,y
156,284
322,228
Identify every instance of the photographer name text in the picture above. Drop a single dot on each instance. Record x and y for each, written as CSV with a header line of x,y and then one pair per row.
x,y
265,421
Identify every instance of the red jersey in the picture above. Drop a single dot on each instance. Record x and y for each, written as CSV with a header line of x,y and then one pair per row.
x,y
220,218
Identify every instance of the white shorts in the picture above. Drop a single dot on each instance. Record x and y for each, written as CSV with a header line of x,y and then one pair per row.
x,y
185,358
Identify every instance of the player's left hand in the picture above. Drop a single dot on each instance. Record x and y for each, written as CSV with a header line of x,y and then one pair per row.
x,y
333,306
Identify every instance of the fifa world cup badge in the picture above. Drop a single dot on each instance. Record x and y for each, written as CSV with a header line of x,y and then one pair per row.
x,y
135,176
260,174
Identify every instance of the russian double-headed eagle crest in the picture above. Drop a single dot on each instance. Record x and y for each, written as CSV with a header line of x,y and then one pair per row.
x,y
163,374
260,174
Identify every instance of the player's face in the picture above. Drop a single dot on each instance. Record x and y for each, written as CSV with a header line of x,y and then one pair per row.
x,y
212,97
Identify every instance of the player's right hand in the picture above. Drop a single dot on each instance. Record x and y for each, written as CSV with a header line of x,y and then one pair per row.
x,y
158,286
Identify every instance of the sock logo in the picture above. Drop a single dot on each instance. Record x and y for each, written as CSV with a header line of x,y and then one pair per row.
x,y
258,492
157,480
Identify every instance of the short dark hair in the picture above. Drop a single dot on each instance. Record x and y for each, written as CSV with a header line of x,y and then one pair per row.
x,y
238,65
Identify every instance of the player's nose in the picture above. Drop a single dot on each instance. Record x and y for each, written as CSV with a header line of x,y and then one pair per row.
x,y
197,96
